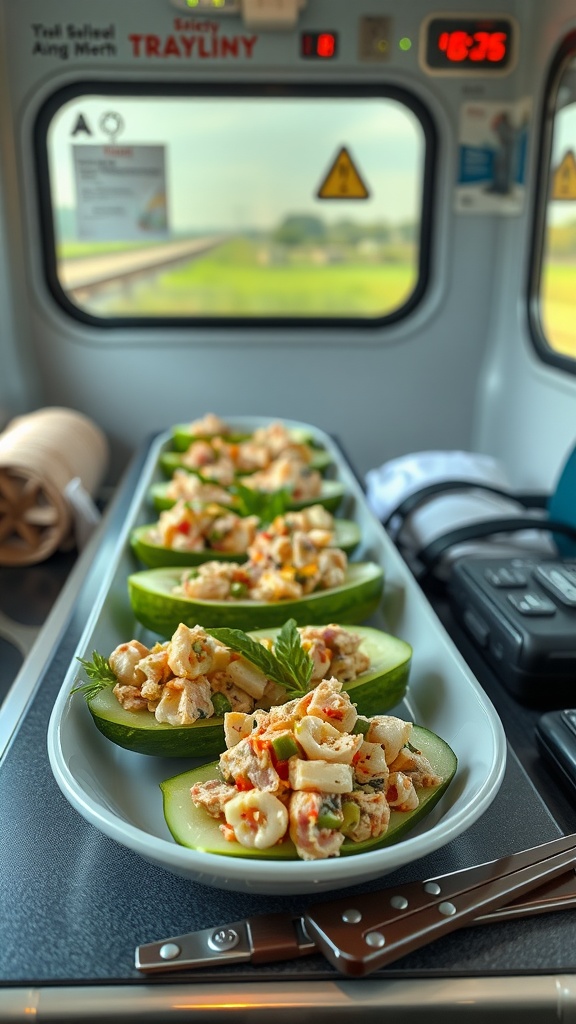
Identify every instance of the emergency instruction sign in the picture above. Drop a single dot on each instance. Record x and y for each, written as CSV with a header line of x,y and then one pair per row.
x,y
120,192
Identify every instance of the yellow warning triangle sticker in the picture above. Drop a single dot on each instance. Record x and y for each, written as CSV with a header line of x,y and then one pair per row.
x,y
564,178
343,180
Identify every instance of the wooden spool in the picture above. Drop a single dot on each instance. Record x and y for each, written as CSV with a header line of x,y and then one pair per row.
x,y
39,455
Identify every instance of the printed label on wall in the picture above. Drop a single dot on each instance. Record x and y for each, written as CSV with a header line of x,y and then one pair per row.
x,y
491,173
73,41
120,192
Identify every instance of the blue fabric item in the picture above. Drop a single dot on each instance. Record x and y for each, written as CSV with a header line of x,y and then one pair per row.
x,y
562,505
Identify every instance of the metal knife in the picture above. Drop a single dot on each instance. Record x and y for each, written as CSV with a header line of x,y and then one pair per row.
x,y
359,934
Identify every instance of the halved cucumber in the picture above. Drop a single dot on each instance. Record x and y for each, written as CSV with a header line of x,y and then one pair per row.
x,y
171,461
193,827
373,692
384,684
157,608
182,438
346,537
330,497
141,732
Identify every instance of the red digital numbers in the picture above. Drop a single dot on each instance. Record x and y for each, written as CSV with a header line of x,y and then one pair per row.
x,y
326,45
480,47
456,45
497,47
321,45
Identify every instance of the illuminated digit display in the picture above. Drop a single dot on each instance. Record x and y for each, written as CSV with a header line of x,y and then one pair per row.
x,y
318,45
468,45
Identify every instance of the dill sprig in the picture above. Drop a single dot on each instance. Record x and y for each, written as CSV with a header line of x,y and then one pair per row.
x,y
100,674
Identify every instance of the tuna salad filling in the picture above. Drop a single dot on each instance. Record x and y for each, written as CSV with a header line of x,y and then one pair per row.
x,y
314,771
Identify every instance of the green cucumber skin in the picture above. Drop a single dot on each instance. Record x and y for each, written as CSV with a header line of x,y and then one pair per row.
x,y
374,697
168,741
160,612
155,555
331,498
383,688
185,821
182,438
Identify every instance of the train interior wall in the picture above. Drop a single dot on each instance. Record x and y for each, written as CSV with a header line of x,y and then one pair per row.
x,y
460,372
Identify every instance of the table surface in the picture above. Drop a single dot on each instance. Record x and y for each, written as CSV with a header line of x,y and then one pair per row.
x,y
75,904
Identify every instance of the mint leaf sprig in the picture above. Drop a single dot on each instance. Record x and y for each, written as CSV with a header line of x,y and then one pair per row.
x,y
289,664
100,674
290,653
266,505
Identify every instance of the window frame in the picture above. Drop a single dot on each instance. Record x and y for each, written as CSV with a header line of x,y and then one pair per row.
x,y
566,51
233,89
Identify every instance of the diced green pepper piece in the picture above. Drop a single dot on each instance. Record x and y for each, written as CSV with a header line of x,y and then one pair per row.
x,y
329,819
361,726
221,704
351,812
285,746
238,589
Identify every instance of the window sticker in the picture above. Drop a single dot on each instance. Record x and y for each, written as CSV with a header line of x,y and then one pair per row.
x,y
343,180
120,192
491,173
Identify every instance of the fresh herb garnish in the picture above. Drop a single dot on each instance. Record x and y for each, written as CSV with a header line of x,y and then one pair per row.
x,y
260,503
290,653
100,674
289,664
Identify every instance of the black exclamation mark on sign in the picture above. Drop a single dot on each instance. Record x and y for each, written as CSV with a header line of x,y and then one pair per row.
x,y
343,171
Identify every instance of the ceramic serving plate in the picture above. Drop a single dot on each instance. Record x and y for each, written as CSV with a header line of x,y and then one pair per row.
x,y
118,791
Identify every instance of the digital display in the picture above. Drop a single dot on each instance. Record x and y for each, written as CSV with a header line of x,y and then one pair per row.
x,y
469,44
318,45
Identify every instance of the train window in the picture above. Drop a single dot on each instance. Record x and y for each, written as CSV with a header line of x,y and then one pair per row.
x,y
240,205
555,288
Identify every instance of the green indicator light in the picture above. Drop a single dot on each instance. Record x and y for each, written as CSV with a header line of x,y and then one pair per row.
x,y
405,43
192,3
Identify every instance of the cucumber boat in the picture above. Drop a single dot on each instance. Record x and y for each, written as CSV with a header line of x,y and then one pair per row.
x,y
331,495
384,684
375,691
346,536
157,607
194,828
171,461
182,437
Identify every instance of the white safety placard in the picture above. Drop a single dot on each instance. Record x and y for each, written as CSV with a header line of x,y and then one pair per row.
x,y
120,192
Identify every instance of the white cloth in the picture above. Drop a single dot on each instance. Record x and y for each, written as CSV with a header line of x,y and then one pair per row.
x,y
388,485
